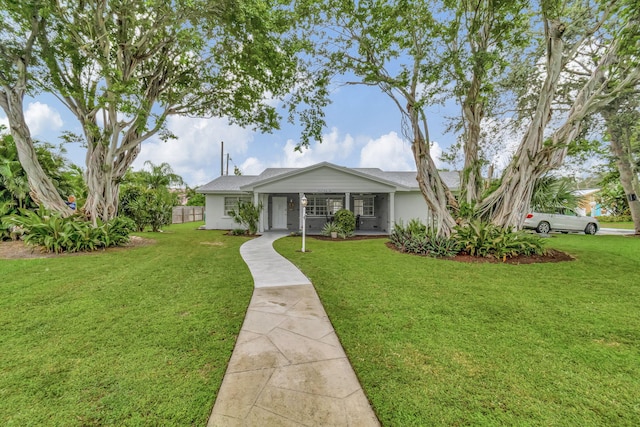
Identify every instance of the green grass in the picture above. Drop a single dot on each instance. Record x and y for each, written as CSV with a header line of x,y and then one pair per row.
x,y
436,342
138,336
628,225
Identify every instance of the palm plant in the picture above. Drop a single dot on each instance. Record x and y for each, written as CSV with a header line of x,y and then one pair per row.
x,y
551,194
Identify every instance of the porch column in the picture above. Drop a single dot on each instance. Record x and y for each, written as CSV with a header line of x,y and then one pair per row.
x,y
256,202
392,212
347,201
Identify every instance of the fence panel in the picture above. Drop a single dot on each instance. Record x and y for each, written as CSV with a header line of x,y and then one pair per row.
x,y
183,214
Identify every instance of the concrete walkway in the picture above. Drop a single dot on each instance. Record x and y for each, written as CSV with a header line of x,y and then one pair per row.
x,y
288,367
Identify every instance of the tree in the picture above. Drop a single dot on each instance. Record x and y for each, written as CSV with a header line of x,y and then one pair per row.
x,y
419,53
22,23
160,176
123,67
551,194
622,120
14,185
248,215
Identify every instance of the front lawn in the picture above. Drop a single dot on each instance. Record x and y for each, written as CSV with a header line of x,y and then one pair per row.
x,y
136,336
436,342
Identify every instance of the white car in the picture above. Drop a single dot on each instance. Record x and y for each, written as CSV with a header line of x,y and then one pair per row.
x,y
565,221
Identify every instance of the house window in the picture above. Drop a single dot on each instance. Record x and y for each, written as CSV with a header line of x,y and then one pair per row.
x,y
231,203
324,205
364,206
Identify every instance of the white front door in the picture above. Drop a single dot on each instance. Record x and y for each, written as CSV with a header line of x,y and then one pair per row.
x,y
279,213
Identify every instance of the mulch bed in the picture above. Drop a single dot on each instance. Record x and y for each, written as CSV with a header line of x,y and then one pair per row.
x,y
20,250
551,256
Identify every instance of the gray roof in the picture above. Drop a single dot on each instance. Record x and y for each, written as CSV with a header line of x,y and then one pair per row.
x,y
226,184
405,180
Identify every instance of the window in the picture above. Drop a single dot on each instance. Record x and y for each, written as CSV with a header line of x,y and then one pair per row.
x,y
231,203
364,206
324,205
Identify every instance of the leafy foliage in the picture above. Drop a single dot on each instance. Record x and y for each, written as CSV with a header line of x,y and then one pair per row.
x,y
330,227
476,239
551,194
70,234
613,198
247,214
14,184
416,238
487,240
346,222
147,207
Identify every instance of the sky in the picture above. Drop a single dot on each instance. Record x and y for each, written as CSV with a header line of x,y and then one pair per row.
x,y
363,130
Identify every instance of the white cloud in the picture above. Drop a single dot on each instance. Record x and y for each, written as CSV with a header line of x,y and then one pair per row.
x,y
334,148
252,166
42,119
195,155
391,153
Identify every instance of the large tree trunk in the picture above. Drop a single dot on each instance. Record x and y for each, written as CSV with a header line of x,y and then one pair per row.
x,y
12,94
41,187
507,205
106,165
434,190
621,150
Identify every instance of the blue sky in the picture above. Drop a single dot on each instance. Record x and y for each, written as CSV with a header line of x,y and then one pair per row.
x,y
363,130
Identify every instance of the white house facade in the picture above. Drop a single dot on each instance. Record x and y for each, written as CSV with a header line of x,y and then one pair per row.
x,y
378,199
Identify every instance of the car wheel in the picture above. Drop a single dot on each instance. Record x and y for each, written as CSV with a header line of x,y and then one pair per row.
x,y
544,227
591,228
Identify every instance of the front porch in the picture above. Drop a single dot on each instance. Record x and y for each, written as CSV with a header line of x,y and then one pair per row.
x,y
283,211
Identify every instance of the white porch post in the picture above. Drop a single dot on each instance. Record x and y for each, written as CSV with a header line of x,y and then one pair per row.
x,y
347,201
392,211
256,202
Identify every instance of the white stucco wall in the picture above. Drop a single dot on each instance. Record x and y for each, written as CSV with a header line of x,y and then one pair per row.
x,y
215,217
409,205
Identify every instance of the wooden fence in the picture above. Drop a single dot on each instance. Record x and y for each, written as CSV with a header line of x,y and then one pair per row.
x,y
187,214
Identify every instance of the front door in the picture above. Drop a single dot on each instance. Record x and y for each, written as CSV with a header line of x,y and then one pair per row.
x,y
279,213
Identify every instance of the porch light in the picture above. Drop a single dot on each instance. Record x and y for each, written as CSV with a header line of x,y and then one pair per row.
x,y
303,202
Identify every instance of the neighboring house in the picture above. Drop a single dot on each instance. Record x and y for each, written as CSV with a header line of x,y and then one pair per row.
x,y
588,205
378,198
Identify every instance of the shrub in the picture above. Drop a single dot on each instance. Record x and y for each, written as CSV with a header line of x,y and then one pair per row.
x,y
346,222
487,240
238,232
330,227
416,238
248,215
615,218
147,207
70,234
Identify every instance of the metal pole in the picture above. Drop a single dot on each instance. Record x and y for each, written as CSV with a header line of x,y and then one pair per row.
x,y
303,202
304,227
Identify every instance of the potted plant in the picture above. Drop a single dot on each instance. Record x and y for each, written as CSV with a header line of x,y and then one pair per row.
x,y
331,229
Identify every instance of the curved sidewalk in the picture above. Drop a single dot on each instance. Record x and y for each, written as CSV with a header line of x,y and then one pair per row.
x,y
288,367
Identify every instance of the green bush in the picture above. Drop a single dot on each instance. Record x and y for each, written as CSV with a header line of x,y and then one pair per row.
x,y
615,218
487,240
147,207
330,227
247,214
416,238
346,222
70,234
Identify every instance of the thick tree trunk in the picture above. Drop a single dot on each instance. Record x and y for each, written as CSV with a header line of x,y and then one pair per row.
x,y
507,205
434,190
621,150
41,187
104,173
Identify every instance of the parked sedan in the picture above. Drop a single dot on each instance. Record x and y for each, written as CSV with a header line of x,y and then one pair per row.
x,y
565,221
